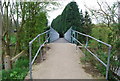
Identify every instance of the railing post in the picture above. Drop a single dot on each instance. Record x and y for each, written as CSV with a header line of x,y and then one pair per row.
x,y
77,39
30,59
77,36
47,36
108,62
50,35
39,39
86,42
71,36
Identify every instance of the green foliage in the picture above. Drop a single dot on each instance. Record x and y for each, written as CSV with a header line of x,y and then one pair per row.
x,y
70,17
101,50
101,68
35,24
87,24
28,19
93,61
101,33
13,39
19,71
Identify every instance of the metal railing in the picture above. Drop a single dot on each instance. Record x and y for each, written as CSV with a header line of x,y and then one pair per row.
x,y
51,34
31,61
67,35
74,39
54,35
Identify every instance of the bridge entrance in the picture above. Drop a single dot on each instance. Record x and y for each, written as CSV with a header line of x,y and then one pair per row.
x,y
61,36
71,36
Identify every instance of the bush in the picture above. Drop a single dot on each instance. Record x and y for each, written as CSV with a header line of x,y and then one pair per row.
x,y
19,71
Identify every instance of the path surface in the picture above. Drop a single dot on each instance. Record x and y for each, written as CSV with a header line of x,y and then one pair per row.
x,y
61,40
62,62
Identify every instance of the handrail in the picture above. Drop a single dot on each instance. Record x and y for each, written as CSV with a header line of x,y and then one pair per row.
x,y
31,61
39,36
39,50
92,38
88,36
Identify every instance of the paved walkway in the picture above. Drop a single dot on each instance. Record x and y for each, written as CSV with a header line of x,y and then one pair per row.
x,y
62,62
61,40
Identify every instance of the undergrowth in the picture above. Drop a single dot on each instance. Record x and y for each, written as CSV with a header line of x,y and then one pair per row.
x,y
93,61
18,71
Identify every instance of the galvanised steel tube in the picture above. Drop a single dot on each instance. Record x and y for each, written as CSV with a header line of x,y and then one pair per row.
x,y
92,38
30,59
38,36
109,50
93,54
108,62
30,51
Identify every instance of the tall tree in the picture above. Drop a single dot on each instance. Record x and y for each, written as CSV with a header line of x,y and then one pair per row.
x,y
0,40
70,17
82,22
87,23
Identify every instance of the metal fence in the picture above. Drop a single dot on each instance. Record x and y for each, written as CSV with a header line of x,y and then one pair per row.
x,y
67,35
74,34
51,35
54,35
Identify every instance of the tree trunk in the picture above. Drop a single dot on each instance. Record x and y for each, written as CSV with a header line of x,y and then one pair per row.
x,y
0,42
7,62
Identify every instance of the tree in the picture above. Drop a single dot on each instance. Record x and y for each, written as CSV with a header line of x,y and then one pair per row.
x,y
87,23
82,22
0,40
70,17
22,21
108,16
106,13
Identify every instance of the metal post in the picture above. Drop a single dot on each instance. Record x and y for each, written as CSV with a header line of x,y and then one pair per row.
x,y
76,38
39,39
46,36
86,42
30,59
71,36
108,62
50,35
75,35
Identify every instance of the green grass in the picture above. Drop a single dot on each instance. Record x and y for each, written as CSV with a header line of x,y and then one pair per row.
x,y
91,59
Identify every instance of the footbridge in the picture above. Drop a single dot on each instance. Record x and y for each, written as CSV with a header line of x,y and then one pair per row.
x,y
63,58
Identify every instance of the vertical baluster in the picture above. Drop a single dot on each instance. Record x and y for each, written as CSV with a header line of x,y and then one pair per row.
x,y
86,42
30,59
108,62
39,40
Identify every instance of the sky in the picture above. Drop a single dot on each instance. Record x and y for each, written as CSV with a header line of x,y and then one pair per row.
x,y
81,4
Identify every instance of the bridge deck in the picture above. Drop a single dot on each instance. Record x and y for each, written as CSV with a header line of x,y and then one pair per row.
x,y
61,40
62,62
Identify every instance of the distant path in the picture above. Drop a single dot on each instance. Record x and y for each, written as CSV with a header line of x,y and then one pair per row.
x,y
61,40
63,62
